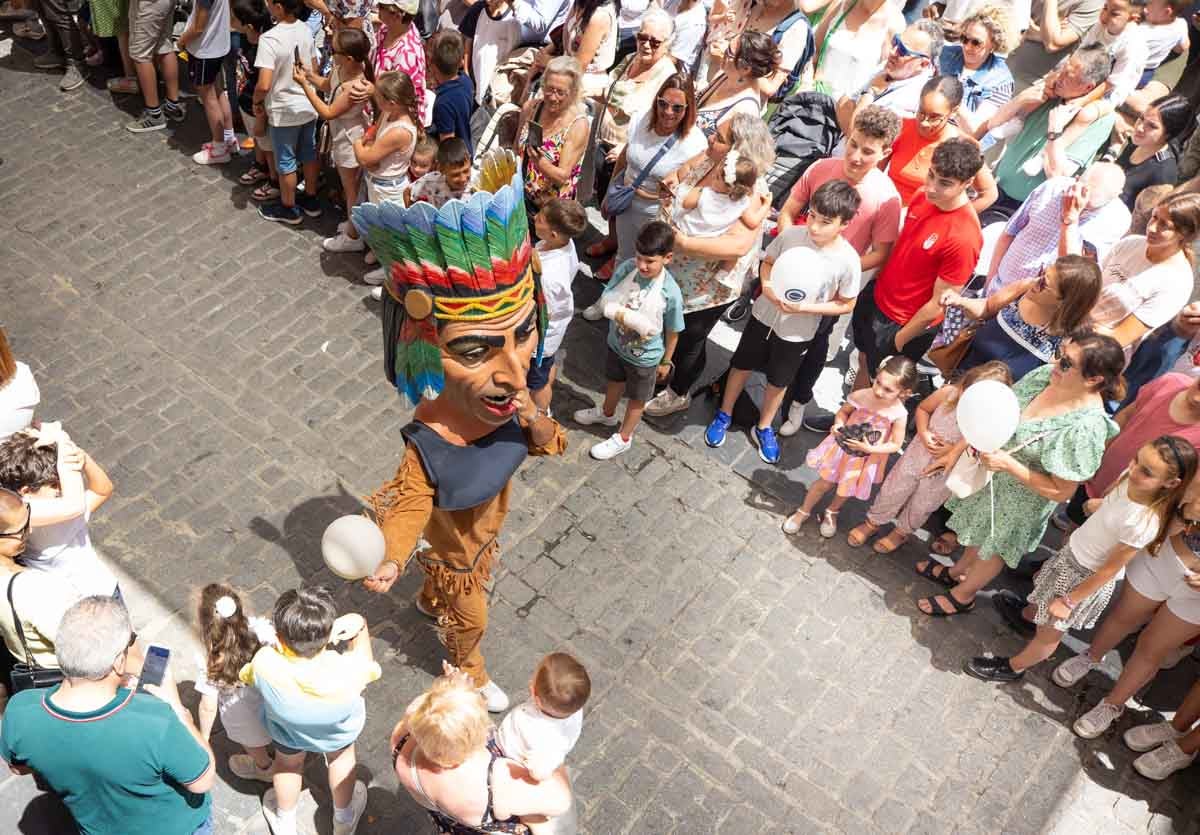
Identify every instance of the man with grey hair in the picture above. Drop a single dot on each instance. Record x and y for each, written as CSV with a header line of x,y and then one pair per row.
x,y
1084,215
121,760
897,86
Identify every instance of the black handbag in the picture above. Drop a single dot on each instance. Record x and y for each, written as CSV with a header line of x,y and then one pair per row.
x,y
27,674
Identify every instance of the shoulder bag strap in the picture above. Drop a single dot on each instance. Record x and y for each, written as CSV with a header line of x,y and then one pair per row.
x,y
586,188
645,172
17,623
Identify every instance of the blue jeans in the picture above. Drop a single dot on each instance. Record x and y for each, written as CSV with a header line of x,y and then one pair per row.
x,y
294,146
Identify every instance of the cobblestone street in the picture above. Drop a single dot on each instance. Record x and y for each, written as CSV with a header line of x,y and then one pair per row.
x,y
227,373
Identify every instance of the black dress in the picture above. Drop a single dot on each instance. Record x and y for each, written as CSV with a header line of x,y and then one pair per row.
x,y
1157,170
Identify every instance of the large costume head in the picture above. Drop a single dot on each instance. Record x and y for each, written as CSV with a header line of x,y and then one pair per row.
x,y
460,279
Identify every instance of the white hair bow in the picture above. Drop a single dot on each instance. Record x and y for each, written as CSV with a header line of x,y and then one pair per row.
x,y
225,607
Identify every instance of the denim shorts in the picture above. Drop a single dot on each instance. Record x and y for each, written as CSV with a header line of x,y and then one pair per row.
x,y
294,146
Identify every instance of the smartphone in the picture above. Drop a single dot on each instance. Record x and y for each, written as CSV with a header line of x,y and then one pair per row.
x,y
535,136
296,56
155,667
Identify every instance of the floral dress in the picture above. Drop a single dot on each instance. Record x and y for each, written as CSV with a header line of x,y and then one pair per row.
x,y
854,473
907,497
538,187
1068,446
406,55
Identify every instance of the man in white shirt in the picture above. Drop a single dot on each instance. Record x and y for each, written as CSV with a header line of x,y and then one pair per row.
x,y
897,85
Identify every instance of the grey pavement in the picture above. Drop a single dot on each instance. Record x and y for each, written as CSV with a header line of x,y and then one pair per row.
x,y
228,374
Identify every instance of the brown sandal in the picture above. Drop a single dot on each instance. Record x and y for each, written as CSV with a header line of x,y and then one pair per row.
x,y
859,535
889,543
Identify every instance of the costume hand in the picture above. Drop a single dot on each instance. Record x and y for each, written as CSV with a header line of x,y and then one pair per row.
x,y
346,627
997,462
931,441
1059,609
383,578
527,410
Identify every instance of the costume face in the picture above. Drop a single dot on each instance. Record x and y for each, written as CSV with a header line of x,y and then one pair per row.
x,y
485,364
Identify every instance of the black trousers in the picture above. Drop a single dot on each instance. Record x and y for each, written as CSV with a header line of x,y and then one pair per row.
x,y
691,352
62,35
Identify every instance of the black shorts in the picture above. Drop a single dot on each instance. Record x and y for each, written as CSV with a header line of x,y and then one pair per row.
x,y
875,333
761,350
204,71
539,373
639,380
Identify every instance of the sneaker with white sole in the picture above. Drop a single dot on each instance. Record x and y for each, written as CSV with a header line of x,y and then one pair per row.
x,y
174,111
279,213
667,402
377,292
271,813
595,415
375,276
358,805
72,79
593,312
496,699
1097,720
611,448
208,155
795,420
147,122
341,242
1142,738
1163,761
1072,671
243,766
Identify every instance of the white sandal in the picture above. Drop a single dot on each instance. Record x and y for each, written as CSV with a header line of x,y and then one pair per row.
x,y
828,527
793,523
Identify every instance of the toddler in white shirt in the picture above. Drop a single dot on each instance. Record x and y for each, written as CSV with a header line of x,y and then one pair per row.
x,y
541,732
709,212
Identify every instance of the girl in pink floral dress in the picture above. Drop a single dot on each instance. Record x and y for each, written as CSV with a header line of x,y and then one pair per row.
x,y
866,430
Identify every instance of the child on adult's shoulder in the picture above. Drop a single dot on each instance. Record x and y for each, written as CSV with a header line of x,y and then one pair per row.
x,y
250,19
206,38
312,699
63,486
555,226
455,94
231,639
784,321
451,180
867,429
916,486
645,309
347,120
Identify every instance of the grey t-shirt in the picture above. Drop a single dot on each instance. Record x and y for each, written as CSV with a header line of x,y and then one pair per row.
x,y
1030,61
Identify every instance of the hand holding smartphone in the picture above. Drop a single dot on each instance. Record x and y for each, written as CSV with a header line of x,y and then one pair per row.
x,y
154,669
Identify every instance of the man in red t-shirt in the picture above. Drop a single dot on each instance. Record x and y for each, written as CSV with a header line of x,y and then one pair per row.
x,y
937,250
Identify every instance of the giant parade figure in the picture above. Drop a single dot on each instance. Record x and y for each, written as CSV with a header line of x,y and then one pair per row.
x,y
462,316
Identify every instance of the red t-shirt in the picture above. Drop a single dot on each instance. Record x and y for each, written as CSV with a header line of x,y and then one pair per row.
x,y
932,245
1150,419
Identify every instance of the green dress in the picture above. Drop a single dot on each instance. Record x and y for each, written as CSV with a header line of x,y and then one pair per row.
x,y
1072,450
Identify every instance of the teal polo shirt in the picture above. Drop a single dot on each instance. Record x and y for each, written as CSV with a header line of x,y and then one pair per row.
x,y
1010,173
119,769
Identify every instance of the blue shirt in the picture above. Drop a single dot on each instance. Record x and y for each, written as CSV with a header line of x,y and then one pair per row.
x,y
538,18
992,82
452,108
628,345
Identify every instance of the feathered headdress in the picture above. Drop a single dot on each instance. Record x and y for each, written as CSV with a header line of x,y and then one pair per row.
x,y
470,261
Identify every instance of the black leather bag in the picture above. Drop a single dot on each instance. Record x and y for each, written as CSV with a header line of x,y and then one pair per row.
x,y
27,674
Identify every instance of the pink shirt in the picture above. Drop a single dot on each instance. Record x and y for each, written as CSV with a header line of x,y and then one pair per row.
x,y
406,55
1150,419
878,218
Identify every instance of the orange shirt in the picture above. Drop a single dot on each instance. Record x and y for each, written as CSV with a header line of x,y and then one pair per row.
x,y
911,157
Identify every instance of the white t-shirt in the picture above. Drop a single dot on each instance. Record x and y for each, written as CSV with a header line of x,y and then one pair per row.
x,y
18,399
286,104
1117,521
690,29
1128,53
644,143
214,40
1153,293
1161,39
527,733
558,271
65,550
837,271
631,13
494,40
713,215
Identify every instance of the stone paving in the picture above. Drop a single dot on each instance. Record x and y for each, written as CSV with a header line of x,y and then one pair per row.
x,y
228,375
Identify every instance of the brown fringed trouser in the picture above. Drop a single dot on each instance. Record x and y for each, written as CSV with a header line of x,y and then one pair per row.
x,y
459,598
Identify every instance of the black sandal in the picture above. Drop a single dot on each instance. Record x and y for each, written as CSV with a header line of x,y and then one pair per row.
x,y
942,579
936,611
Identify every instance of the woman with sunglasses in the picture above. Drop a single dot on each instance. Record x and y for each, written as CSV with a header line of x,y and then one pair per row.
x,y
1161,596
854,38
1059,443
737,88
1024,324
985,76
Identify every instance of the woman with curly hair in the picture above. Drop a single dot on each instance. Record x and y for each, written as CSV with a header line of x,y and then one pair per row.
x,y
987,81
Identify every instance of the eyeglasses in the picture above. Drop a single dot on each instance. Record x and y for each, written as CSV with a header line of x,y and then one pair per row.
x,y
23,531
551,93
904,51
931,118
670,107
652,41
975,42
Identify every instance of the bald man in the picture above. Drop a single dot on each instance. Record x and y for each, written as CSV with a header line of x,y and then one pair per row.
x,y
14,524
1032,236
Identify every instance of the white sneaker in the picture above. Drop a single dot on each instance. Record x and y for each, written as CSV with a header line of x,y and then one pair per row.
x,y
1163,761
1176,657
828,527
594,415
593,312
1142,738
667,402
371,258
1097,720
1071,672
795,420
243,766
208,156
376,276
358,803
377,293
496,699
611,448
274,822
341,242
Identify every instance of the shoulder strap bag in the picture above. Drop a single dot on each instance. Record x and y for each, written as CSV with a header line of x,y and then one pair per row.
x,y
27,674
619,198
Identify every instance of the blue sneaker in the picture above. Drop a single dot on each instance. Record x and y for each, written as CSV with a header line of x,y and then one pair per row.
x,y
768,447
281,213
714,435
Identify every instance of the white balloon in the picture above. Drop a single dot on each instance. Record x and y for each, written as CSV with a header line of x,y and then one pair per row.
x,y
794,273
988,414
353,547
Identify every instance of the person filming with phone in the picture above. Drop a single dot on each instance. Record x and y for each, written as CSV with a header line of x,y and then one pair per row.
x,y
94,737
553,135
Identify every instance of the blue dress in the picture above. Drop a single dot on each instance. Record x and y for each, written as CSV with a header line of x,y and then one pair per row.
x,y
1010,339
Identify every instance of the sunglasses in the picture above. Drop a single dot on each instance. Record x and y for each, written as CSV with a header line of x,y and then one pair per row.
x,y
654,42
1064,363
975,42
904,51
670,107
23,531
